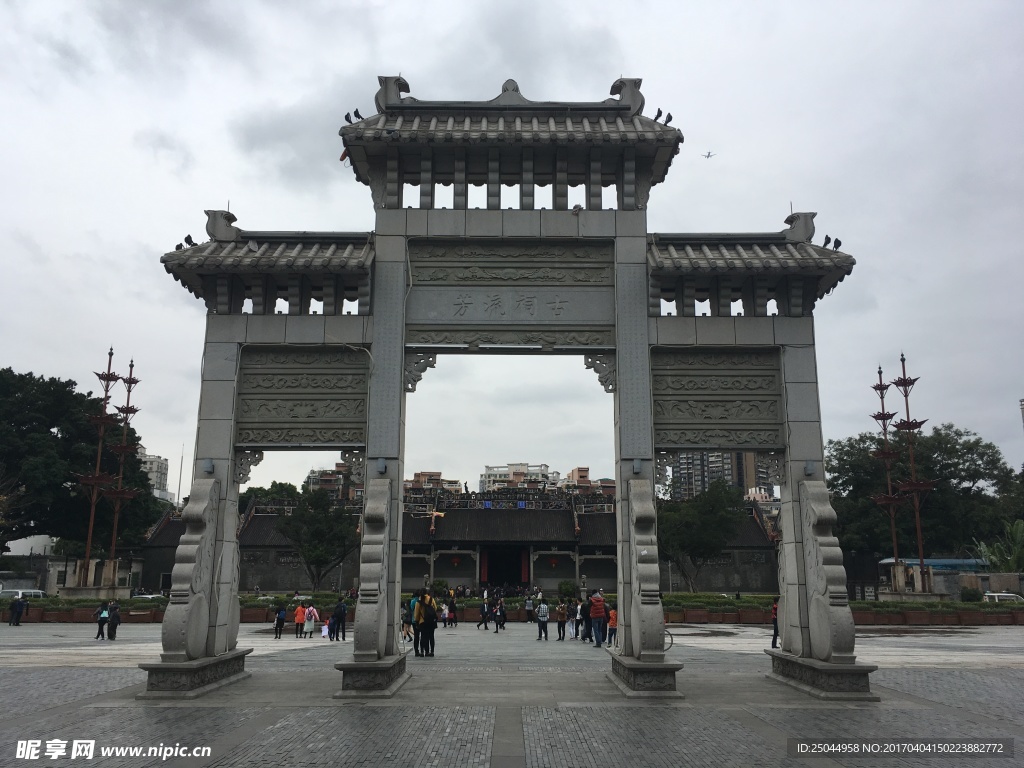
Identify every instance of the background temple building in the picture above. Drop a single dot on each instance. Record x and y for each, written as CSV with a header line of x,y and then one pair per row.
x,y
521,475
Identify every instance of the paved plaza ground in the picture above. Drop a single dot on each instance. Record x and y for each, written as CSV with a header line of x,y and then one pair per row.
x,y
508,700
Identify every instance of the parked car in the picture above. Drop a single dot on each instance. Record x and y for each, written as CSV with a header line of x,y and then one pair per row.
x,y
28,594
150,597
1002,597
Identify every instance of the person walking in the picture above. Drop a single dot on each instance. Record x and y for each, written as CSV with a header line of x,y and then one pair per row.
x,y
279,619
415,626
18,608
341,614
484,614
310,623
528,605
12,610
426,618
300,620
560,615
587,626
453,615
406,622
775,622
500,615
114,621
102,616
613,624
598,614
543,613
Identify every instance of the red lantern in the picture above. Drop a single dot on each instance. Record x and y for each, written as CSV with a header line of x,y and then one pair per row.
x,y
456,561
554,562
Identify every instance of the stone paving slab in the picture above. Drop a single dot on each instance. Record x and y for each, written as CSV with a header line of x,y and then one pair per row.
x,y
507,701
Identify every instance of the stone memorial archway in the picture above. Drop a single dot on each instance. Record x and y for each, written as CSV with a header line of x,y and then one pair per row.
x,y
584,280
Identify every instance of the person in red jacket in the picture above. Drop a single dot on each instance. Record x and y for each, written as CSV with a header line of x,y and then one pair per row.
x,y
598,614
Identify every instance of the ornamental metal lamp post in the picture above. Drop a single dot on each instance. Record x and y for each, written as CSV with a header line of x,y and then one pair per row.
x,y
97,481
888,500
120,494
915,486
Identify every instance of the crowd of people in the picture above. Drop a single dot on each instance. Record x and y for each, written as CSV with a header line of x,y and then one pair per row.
x,y
305,616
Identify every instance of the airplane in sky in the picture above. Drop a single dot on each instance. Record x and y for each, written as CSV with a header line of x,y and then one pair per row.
x,y
708,154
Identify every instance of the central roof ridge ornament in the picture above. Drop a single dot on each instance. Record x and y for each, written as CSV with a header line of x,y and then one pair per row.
x,y
389,99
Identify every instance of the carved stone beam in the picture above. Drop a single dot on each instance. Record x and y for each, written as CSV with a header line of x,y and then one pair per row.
x,y
604,367
416,365
244,462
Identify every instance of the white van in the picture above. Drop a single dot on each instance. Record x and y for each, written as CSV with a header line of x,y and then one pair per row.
x,y
1002,597
27,594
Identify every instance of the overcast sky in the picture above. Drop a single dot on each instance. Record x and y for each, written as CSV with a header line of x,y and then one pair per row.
x,y
900,123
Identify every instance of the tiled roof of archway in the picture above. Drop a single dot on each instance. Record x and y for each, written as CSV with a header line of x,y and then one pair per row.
x,y
277,253
768,255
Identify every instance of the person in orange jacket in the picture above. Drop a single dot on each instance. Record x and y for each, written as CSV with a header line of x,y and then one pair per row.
x,y
613,624
300,619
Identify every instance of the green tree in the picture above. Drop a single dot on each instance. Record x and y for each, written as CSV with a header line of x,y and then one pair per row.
x,y
691,533
276,492
322,533
970,478
46,441
1005,555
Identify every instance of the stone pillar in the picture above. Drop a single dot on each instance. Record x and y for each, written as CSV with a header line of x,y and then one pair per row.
x,y
385,431
804,452
634,430
215,443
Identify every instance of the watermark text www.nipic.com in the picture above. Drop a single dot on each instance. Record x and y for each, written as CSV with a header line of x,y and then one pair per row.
x,y
86,749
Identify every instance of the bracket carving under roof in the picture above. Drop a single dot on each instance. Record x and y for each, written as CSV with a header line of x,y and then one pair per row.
x,y
244,462
416,365
389,98
604,367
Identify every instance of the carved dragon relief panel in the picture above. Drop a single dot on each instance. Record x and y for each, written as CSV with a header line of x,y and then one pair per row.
x,y
501,254
301,397
717,398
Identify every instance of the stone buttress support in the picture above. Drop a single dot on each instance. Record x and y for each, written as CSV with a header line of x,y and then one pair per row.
x,y
378,665
200,628
815,622
639,667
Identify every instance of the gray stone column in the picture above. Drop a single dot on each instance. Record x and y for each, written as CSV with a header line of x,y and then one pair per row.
x,y
804,461
634,431
215,443
385,430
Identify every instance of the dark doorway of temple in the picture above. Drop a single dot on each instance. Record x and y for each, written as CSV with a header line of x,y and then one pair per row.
x,y
505,566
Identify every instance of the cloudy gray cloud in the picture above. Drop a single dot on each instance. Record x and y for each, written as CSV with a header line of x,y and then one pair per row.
x,y
898,123
165,148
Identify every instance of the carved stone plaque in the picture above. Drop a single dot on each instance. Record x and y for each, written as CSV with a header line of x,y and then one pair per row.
x,y
499,306
308,396
717,398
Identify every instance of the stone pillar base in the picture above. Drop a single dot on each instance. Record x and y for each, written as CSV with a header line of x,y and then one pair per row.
x,y
645,679
832,682
192,679
379,679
